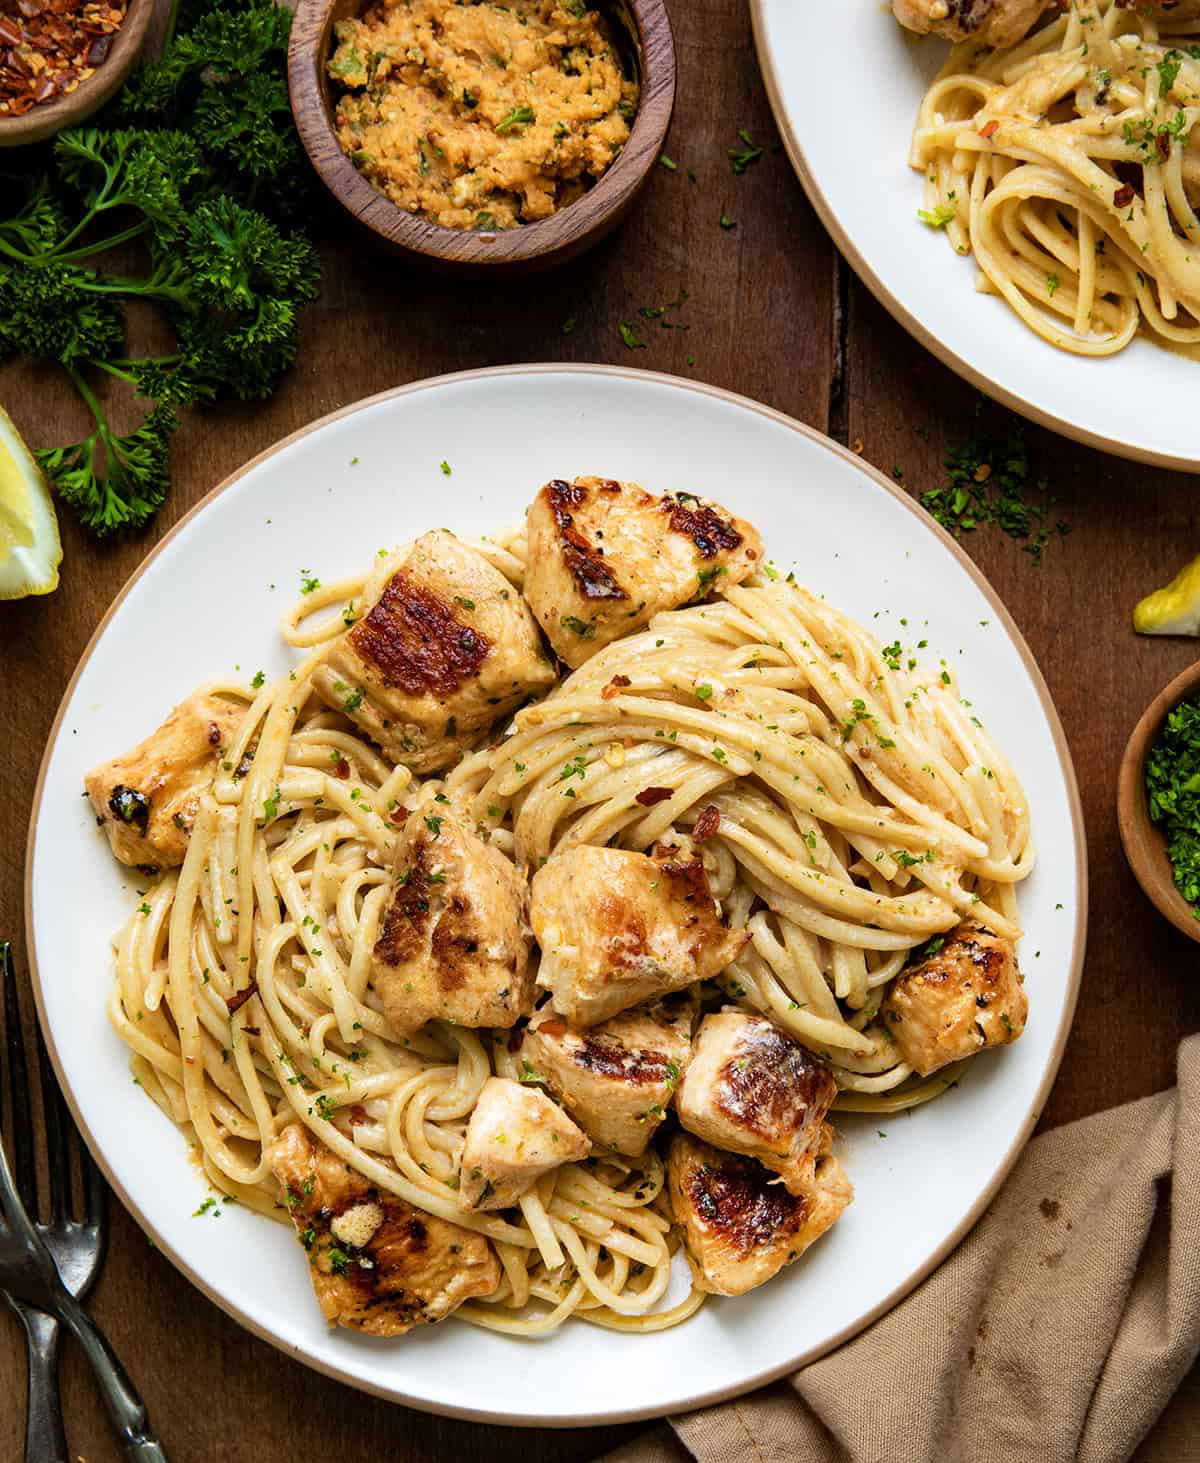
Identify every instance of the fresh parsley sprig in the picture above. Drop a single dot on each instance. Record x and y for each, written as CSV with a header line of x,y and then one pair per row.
x,y
198,162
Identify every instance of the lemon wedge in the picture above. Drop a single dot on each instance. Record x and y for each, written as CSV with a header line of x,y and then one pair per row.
x,y
1174,609
30,550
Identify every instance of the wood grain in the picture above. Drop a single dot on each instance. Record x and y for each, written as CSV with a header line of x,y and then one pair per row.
x,y
759,313
550,241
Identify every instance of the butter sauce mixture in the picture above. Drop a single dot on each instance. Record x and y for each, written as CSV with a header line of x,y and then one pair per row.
x,y
478,115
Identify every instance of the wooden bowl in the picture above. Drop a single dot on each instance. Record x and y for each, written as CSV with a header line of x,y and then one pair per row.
x,y
1144,842
533,246
89,96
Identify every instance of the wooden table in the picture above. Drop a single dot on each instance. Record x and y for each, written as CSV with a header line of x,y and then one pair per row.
x,y
772,314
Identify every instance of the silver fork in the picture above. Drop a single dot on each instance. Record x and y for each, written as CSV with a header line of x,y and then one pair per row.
x,y
47,1268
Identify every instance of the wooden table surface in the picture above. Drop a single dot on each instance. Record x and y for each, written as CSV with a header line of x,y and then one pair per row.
x,y
773,315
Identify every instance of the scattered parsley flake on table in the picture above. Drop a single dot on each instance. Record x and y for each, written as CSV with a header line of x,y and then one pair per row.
x,y
988,483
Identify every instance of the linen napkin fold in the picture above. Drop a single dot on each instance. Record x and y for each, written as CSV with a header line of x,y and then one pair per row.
x,y
1057,1331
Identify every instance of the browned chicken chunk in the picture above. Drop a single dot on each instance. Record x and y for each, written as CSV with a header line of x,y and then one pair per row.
x,y
616,1079
446,647
753,1090
618,928
605,557
516,1134
740,1224
146,801
376,1263
453,939
992,22
962,997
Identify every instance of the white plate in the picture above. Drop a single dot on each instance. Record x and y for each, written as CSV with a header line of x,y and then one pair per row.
x,y
207,601
846,82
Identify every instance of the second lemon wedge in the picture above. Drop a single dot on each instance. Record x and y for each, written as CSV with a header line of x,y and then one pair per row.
x,y
30,549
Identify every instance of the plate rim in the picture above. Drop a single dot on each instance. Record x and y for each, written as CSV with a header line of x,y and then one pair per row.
x,y
1078,938
1022,405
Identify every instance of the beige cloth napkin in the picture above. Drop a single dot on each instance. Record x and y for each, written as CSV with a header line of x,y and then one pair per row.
x,y
1058,1330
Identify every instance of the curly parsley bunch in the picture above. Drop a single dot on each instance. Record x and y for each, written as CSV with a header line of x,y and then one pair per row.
x,y
197,159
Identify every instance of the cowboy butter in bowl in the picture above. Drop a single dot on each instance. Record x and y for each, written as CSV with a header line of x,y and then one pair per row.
x,y
480,116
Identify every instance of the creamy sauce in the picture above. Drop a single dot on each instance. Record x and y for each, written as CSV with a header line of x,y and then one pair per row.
x,y
481,115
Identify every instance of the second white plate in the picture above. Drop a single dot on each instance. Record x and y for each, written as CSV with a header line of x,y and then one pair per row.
x,y
846,82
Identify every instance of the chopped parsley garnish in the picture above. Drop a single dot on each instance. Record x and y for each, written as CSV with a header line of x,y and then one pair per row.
x,y
518,117
726,222
326,1107
445,468
582,628
988,482
271,807
258,681
629,336
740,158
665,162
434,824
353,701
569,324
308,582
1173,795
703,693
939,217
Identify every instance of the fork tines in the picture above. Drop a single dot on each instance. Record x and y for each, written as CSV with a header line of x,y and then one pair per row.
x,y
56,1122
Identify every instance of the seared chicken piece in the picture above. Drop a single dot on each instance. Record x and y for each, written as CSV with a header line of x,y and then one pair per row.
x,y
753,1090
453,939
605,557
992,22
516,1134
616,1079
446,647
146,801
740,1225
617,928
966,996
376,1263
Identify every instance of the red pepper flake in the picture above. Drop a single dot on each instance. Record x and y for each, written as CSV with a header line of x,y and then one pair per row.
x,y
47,47
239,998
706,824
651,795
358,1115
989,129
613,688
1123,197
341,769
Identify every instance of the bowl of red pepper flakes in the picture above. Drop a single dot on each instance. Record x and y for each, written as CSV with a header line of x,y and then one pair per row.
x,y
60,60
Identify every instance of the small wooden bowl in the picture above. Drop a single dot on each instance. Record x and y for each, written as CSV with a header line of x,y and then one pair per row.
x,y
89,96
534,246
1144,842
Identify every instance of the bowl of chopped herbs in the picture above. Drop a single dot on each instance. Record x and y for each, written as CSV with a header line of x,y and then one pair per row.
x,y
1158,802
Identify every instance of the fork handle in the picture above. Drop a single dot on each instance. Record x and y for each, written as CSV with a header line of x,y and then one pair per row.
x,y
125,1407
45,1440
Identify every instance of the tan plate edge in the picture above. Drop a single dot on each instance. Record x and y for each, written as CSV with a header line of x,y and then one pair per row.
x,y
1020,404
911,1281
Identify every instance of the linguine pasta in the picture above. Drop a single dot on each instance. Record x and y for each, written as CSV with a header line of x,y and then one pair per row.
x,y
1065,164
862,811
